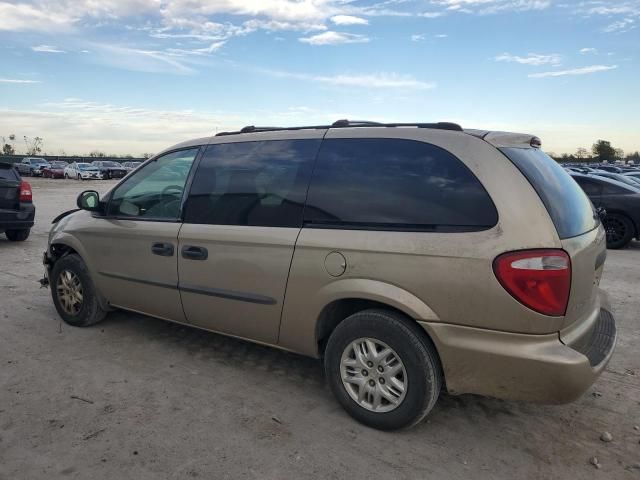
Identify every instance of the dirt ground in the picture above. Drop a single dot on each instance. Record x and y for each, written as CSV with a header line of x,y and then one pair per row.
x,y
134,397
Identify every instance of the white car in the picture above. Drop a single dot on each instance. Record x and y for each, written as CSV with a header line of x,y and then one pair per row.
x,y
82,171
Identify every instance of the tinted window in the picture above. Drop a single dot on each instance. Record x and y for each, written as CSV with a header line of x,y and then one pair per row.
x,y
155,191
395,184
569,208
590,187
612,189
7,172
252,183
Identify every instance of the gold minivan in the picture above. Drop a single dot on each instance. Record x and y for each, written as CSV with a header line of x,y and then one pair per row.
x,y
409,257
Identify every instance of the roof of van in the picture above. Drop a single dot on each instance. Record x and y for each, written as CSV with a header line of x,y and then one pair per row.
x,y
496,138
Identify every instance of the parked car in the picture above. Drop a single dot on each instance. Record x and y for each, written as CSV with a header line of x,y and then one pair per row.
x,y
609,168
129,166
109,169
17,212
622,204
618,177
32,166
54,170
82,171
407,257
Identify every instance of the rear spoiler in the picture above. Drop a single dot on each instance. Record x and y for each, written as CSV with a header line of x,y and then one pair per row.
x,y
507,139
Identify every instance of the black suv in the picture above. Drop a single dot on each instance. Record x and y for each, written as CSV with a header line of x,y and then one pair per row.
x,y
17,211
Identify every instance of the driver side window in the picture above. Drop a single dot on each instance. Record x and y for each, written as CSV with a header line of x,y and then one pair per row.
x,y
155,191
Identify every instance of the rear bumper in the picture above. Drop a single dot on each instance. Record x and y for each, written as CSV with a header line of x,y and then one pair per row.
x,y
554,368
18,219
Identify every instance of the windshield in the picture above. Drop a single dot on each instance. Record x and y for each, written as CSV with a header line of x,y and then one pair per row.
x,y
86,166
569,208
110,164
38,161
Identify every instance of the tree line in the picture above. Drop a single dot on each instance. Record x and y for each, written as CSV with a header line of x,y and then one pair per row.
x,y
34,146
601,151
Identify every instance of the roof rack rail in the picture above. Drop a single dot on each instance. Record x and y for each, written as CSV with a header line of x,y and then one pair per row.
x,y
344,123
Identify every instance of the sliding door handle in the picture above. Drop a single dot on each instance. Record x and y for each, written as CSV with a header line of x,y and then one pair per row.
x,y
191,252
162,249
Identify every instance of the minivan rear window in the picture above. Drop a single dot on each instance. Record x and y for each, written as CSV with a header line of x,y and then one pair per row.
x,y
569,208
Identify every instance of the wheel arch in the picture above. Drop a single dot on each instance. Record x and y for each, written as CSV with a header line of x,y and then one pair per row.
x,y
358,295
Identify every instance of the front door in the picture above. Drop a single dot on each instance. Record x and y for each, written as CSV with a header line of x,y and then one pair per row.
x,y
241,221
134,248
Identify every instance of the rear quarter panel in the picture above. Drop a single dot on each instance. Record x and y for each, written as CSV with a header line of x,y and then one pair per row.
x,y
451,274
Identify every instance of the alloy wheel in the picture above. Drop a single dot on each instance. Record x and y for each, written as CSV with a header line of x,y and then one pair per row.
x,y
615,229
70,292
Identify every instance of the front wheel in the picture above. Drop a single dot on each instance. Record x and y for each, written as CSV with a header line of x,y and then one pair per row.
x,y
74,294
619,230
383,370
18,235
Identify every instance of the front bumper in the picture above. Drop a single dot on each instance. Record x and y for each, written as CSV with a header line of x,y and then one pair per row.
x,y
18,219
91,176
554,368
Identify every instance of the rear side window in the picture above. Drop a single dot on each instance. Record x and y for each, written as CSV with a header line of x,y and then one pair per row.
x,y
569,208
590,187
7,172
395,184
252,183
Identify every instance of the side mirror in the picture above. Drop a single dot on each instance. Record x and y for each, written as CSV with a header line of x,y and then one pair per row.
x,y
89,200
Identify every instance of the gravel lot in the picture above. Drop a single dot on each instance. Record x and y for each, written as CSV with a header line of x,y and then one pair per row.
x,y
135,397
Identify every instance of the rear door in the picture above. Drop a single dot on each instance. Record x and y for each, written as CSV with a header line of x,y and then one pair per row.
x,y
134,247
9,187
241,221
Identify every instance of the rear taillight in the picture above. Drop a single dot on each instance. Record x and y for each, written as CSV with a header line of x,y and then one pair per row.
x,y
539,279
25,192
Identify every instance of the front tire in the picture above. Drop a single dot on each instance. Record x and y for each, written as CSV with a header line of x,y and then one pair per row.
x,y
18,235
619,230
383,369
74,294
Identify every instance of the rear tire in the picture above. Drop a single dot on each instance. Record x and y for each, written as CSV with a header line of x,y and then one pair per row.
x,y
18,235
403,378
74,294
619,230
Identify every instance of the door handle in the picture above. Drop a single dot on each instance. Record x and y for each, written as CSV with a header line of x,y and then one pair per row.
x,y
162,249
192,252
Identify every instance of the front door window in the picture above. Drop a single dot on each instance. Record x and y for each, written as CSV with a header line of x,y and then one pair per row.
x,y
155,191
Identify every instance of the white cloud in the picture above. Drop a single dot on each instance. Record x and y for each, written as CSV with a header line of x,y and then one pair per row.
x,y
334,38
372,80
620,26
18,81
24,16
418,37
574,71
486,7
47,49
442,35
587,51
533,59
349,20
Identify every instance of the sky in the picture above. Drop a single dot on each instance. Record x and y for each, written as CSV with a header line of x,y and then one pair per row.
x,y
137,76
